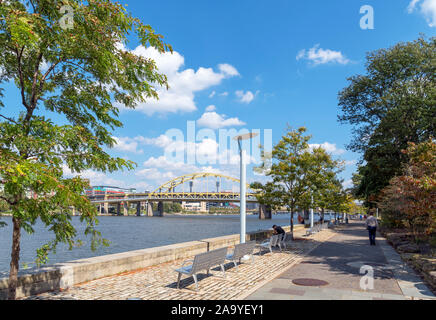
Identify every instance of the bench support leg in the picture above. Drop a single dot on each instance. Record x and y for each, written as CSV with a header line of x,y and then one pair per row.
x,y
223,270
178,280
195,280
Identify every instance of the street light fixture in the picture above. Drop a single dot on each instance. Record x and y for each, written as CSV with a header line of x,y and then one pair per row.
x,y
242,189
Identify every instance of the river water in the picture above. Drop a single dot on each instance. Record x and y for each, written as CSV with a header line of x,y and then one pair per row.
x,y
130,233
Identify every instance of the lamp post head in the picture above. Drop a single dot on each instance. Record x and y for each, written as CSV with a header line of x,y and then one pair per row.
x,y
246,136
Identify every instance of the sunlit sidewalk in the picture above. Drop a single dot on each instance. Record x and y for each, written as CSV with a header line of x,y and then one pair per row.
x,y
341,269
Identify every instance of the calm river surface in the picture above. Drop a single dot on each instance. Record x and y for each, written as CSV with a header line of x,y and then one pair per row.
x,y
130,233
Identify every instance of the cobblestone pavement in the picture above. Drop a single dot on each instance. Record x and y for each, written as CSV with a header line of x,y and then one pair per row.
x,y
159,282
338,262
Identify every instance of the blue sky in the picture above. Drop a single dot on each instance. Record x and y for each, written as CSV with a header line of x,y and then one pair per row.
x,y
255,65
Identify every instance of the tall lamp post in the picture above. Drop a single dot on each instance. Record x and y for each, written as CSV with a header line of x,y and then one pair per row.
x,y
311,213
243,186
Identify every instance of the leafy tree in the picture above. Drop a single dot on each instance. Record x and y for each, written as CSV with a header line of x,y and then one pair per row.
x,y
75,71
324,185
296,173
3,205
172,207
331,196
393,104
412,196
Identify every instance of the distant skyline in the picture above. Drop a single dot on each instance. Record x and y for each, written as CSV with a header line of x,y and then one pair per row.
x,y
251,65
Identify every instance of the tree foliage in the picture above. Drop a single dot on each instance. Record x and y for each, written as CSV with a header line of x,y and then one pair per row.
x,y
391,105
411,197
80,73
297,174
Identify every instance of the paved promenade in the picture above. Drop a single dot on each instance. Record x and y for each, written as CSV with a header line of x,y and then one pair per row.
x,y
334,256
159,282
337,262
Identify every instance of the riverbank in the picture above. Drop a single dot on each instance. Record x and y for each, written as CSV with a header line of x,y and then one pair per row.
x,y
62,276
128,234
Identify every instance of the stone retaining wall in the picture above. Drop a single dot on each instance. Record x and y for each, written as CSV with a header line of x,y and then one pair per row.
x,y
65,275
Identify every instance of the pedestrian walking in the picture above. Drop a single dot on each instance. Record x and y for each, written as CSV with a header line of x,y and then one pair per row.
x,y
371,226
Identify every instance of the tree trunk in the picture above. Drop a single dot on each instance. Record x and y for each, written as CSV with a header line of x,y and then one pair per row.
x,y
292,224
322,215
15,258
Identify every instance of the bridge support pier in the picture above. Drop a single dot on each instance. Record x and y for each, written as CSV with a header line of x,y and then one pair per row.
x,y
106,204
265,212
138,209
160,209
149,209
118,209
125,208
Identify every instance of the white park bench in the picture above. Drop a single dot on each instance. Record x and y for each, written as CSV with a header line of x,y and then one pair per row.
x,y
317,228
203,262
241,250
270,244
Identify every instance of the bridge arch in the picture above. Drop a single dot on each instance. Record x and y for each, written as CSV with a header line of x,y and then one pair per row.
x,y
169,186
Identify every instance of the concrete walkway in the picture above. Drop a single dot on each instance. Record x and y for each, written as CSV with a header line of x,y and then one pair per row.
x,y
338,263
159,282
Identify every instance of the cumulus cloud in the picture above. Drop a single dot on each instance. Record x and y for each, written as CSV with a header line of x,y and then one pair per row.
x,y
160,170
319,56
126,144
95,178
245,97
213,120
183,83
427,8
329,147
228,70
347,184
350,162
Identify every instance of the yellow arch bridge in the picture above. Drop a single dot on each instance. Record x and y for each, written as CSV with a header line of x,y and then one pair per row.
x,y
180,189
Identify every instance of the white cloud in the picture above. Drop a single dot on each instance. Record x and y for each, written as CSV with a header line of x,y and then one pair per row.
x,y
183,83
245,97
320,56
125,144
347,184
44,66
160,170
95,178
210,108
224,94
207,151
427,9
412,5
329,147
162,141
350,162
228,70
214,120
212,94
